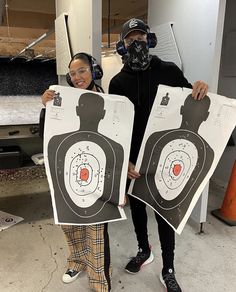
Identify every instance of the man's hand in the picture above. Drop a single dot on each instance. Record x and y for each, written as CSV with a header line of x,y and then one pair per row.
x,y
132,174
200,89
47,96
124,203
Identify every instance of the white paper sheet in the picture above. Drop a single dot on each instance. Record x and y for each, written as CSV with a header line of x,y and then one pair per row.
x,y
166,48
182,144
63,50
86,148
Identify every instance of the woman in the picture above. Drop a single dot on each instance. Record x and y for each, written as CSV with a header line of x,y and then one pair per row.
x,y
88,245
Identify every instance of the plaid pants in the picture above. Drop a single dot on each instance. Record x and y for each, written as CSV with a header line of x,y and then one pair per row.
x,y
90,251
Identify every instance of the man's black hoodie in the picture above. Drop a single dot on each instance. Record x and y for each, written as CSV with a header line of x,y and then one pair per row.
x,y
141,87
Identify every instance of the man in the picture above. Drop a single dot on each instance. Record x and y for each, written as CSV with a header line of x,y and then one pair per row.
x,y
138,80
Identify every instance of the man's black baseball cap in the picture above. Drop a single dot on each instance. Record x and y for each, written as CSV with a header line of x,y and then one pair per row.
x,y
132,25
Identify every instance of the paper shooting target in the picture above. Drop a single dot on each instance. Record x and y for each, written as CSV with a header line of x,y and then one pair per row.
x,y
85,153
177,162
85,164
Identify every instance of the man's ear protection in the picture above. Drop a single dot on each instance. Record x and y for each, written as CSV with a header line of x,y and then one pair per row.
x,y
151,40
96,69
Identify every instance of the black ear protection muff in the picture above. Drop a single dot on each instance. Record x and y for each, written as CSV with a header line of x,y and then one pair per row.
x,y
68,79
151,40
96,69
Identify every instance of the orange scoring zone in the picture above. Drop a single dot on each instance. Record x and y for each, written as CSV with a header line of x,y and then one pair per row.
x,y
84,174
177,169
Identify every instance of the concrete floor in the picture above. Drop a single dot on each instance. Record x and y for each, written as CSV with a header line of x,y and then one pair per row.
x,y
33,253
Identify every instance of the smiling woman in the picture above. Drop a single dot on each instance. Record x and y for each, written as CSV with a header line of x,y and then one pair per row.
x,y
80,74
88,244
83,70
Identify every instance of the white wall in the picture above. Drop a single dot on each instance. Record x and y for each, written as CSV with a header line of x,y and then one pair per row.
x,y
196,25
111,65
85,27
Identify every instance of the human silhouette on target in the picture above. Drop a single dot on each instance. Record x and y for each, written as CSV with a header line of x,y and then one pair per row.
x,y
86,168
174,164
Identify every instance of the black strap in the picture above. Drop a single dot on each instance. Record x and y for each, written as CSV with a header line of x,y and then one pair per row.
x,y
99,88
41,122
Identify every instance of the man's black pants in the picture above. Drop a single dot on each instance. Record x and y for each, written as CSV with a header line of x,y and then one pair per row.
x,y
166,233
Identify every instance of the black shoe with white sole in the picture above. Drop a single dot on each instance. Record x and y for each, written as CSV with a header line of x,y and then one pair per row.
x,y
170,282
140,260
70,276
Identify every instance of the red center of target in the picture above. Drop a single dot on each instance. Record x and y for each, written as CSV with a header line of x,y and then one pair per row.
x,y
176,169
84,174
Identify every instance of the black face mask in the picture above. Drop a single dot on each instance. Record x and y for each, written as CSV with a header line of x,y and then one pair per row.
x,y
138,55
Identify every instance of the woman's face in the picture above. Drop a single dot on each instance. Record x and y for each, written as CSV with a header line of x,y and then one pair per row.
x,y
80,74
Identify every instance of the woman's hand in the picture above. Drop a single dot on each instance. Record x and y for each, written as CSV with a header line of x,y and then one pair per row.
x,y
47,96
132,174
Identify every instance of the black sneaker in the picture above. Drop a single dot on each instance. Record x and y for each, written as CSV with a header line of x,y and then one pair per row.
x,y
141,259
70,275
170,282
